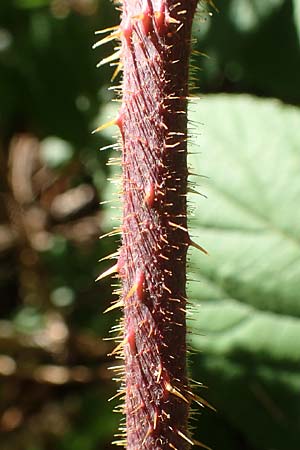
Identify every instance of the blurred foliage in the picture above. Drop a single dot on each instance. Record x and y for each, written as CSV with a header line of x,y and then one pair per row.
x,y
54,372
247,314
252,46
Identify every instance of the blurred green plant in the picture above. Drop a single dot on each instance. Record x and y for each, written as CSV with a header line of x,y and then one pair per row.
x,y
252,46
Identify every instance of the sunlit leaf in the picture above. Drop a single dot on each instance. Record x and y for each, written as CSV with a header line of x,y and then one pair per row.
x,y
247,319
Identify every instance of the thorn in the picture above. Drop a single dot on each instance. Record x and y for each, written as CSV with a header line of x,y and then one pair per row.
x,y
130,339
168,416
197,175
140,406
110,256
179,28
173,145
155,420
172,446
108,272
106,30
107,147
149,195
175,225
109,59
117,71
140,280
118,348
107,39
118,304
199,247
196,52
172,20
164,239
174,391
200,444
138,286
198,383
118,394
115,88
176,133
131,292
106,125
193,191
185,437
201,401
114,162
111,233
159,374
166,288
164,257
151,331
120,443
149,431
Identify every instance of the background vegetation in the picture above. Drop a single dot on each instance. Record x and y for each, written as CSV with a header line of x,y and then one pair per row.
x,y
54,372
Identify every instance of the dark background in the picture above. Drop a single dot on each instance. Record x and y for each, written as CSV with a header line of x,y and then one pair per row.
x,y
54,372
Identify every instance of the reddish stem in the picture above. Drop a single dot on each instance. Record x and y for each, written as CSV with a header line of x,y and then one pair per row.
x,y
152,264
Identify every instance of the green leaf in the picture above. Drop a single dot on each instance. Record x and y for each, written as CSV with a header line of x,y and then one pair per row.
x,y
246,295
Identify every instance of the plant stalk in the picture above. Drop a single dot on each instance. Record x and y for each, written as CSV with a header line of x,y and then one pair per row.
x,y
152,264
154,55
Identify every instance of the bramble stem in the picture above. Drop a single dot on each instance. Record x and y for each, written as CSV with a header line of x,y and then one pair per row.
x,y
155,48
